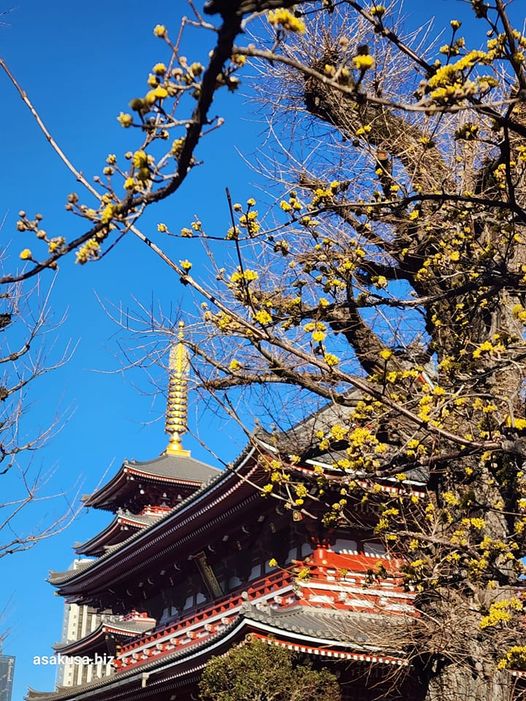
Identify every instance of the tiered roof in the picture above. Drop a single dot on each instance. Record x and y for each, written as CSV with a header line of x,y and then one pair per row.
x,y
123,525
178,530
336,620
111,631
168,479
323,614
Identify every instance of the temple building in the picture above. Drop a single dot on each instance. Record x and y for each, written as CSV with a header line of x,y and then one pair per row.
x,y
194,559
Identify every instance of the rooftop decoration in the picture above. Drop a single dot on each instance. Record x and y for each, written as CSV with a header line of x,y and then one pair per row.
x,y
177,404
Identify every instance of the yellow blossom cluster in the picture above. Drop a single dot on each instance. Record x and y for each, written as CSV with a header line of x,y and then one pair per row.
x,y
249,221
514,658
240,276
89,251
291,205
450,83
317,329
489,347
501,612
286,20
263,317
363,62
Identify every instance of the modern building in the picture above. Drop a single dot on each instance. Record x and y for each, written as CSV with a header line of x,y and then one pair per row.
x,y
79,621
7,673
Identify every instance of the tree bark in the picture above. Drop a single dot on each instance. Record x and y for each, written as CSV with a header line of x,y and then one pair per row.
x,y
459,683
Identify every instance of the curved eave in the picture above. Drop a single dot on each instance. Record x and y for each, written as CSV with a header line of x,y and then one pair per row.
x,y
109,536
117,531
106,496
311,642
176,470
96,641
57,577
299,439
333,472
91,643
172,669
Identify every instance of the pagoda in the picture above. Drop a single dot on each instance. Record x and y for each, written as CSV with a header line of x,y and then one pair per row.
x,y
196,558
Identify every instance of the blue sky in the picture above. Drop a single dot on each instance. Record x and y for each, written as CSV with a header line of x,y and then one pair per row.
x,y
81,63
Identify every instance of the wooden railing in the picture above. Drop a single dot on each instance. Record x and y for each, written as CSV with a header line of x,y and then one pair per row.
x,y
327,580
272,582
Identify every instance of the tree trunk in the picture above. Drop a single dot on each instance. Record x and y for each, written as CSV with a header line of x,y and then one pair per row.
x,y
456,682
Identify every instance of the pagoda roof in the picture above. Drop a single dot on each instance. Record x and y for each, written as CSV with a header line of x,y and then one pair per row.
x,y
302,438
178,467
357,630
313,632
118,530
168,470
78,566
193,503
196,515
96,640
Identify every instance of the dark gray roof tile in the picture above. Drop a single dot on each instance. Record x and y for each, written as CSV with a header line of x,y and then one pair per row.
x,y
356,630
181,467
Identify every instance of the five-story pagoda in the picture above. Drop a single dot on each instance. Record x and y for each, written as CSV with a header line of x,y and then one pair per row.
x,y
195,559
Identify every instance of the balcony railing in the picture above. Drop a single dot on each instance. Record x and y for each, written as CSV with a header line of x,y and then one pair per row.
x,y
268,584
326,583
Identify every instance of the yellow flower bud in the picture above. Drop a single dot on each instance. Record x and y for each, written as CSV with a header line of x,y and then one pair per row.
x,y
160,31
125,120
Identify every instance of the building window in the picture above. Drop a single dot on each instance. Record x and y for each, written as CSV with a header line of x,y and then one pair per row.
x,y
306,549
292,555
373,549
233,583
345,547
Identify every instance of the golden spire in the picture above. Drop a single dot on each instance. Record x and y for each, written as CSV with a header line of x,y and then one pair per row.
x,y
176,409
